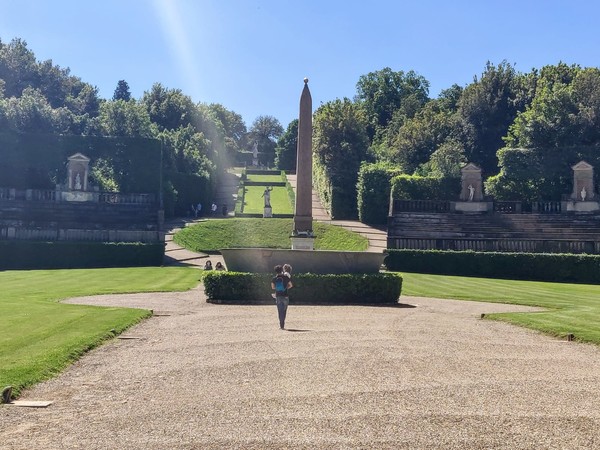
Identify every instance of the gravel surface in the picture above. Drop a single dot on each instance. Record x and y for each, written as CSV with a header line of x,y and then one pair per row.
x,y
203,376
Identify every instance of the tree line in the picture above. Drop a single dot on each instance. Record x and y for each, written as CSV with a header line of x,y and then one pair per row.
x,y
391,120
501,119
198,138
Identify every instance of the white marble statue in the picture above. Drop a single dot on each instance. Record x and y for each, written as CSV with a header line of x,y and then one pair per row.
x,y
471,192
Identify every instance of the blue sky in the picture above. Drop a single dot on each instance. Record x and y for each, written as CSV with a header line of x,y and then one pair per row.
x,y
251,56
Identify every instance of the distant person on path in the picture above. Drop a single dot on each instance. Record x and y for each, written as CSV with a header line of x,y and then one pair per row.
x,y
198,209
208,265
280,284
219,266
213,208
224,210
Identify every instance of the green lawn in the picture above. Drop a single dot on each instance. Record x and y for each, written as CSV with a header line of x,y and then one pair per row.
x,y
254,202
212,235
41,336
572,308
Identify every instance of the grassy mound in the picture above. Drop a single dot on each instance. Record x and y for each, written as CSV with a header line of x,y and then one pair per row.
x,y
212,235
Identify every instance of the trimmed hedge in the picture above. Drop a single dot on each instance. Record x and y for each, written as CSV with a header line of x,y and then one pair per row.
x,y
374,192
366,289
190,189
39,161
580,268
69,255
414,187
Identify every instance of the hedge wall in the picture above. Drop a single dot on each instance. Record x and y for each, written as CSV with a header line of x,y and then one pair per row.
x,y
39,161
337,198
374,192
69,255
189,190
235,287
523,266
413,187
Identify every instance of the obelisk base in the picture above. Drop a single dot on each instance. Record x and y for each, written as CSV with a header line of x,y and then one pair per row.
x,y
268,212
303,242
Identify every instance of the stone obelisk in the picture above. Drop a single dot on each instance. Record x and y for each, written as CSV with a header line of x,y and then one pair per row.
x,y
302,235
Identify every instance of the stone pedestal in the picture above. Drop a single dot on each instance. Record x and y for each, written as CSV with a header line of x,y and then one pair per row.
x,y
472,206
268,211
573,206
79,196
303,242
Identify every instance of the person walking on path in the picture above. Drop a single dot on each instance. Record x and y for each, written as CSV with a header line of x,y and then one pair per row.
x,y
280,284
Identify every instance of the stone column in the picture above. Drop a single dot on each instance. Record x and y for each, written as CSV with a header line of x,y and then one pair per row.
x,y
303,214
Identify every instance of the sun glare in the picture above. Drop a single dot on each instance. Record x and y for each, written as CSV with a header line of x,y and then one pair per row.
x,y
175,32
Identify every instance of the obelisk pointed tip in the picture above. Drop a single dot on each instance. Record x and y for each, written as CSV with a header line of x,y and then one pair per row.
x,y
305,80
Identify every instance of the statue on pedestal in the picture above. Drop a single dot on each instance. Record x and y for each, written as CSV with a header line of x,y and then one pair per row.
x,y
267,196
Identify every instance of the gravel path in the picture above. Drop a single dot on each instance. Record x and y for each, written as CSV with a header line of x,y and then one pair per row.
x,y
205,376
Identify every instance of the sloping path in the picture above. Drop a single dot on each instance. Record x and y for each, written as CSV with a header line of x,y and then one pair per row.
x,y
175,255
377,236
226,193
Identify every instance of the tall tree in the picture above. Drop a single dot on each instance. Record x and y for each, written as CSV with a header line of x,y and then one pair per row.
x,y
385,93
287,147
121,118
418,138
265,131
18,67
169,108
122,91
487,108
340,143
564,112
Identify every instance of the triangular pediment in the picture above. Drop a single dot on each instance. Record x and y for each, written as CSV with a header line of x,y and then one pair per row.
x,y
471,167
582,165
79,157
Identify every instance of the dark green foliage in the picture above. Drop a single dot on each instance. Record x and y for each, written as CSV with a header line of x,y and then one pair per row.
x,y
412,187
538,173
190,189
340,145
374,192
38,161
68,255
122,91
524,266
487,108
234,287
385,93
286,149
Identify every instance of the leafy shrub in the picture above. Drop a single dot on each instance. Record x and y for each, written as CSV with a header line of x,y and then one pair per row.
x,y
236,287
